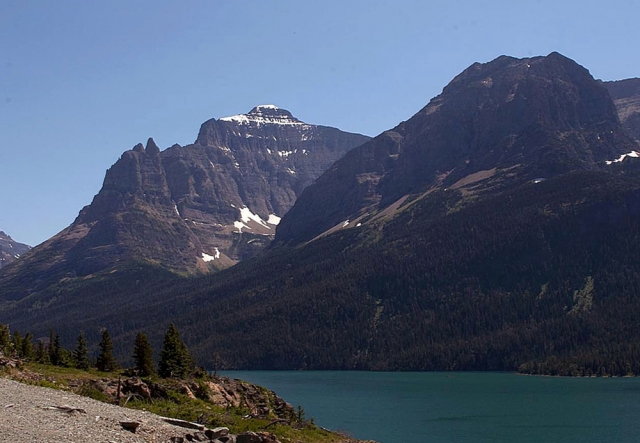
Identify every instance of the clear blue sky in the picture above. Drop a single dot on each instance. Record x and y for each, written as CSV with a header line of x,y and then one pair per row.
x,y
82,81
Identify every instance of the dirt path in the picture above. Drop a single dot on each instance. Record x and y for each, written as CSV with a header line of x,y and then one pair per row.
x,y
28,414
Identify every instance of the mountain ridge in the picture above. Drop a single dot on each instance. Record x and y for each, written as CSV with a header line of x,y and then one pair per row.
x,y
191,208
554,117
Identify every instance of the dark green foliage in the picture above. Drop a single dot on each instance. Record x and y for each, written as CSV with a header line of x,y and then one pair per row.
x,y
17,343
27,351
81,353
175,359
143,356
5,340
106,362
55,354
42,355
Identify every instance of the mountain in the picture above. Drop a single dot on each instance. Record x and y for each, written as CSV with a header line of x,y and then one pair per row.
x,y
191,208
496,125
626,96
497,229
10,249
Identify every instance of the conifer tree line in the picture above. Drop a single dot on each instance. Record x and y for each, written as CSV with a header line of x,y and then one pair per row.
x,y
175,360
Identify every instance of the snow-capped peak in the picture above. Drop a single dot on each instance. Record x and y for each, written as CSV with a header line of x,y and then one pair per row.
x,y
265,115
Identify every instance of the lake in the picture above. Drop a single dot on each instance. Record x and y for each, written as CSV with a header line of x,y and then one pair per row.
x,y
452,407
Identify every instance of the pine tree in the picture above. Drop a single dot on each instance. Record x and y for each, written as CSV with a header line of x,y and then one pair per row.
x,y
81,353
27,347
50,350
55,351
143,356
42,356
5,340
17,343
175,360
106,362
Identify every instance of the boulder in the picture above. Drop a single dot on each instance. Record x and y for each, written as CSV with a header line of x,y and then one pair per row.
x,y
216,433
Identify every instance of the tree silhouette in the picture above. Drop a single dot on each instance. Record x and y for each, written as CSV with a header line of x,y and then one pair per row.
x,y
17,343
106,362
143,356
55,349
175,359
27,350
5,340
81,353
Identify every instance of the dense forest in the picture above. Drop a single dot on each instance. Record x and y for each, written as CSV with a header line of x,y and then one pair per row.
x,y
541,278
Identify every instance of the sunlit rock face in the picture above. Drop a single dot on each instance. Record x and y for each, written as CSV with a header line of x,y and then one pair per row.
x,y
626,96
198,207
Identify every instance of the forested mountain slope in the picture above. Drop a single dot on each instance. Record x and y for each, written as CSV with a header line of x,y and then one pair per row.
x,y
503,237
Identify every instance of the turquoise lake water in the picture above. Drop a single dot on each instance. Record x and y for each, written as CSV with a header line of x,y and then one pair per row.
x,y
445,407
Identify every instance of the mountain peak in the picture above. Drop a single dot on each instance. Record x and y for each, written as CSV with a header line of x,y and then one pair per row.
x,y
264,114
494,126
152,148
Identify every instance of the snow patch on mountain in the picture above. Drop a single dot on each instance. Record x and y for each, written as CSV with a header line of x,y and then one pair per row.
x,y
207,258
239,225
273,219
634,154
246,215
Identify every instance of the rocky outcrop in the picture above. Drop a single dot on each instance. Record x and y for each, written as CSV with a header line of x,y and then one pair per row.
x,y
219,391
10,249
496,124
191,208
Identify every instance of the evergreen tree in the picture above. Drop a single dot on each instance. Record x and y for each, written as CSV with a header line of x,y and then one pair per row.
x,y
106,362
27,347
143,356
5,340
50,350
81,353
175,360
42,355
17,343
56,352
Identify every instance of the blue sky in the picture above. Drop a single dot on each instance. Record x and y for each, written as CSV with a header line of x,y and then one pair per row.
x,y
83,81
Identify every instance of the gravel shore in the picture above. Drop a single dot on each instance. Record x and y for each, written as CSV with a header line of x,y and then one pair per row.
x,y
29,414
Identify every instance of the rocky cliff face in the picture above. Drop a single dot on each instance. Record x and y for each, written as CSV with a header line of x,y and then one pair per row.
x,y
626,96
10,249
496,124
189,208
